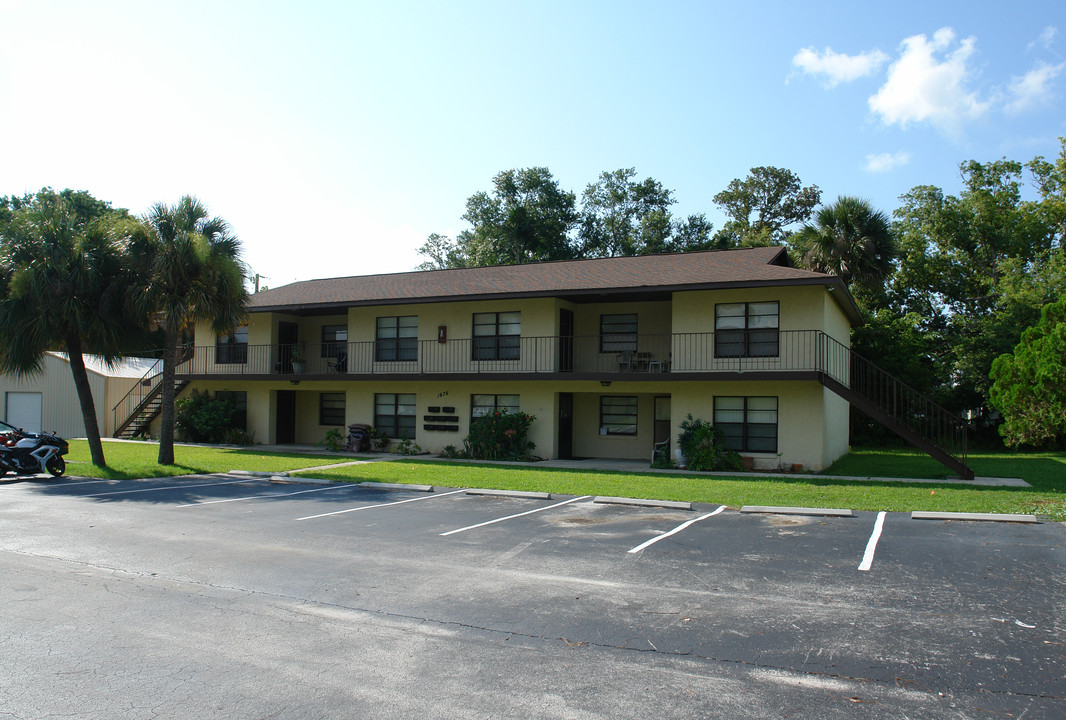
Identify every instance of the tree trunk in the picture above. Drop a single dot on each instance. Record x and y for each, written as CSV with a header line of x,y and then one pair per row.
x,y
166,408
85,397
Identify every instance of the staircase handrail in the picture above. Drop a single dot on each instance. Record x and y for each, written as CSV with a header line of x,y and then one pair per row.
x,y
127,401
955,440
187,351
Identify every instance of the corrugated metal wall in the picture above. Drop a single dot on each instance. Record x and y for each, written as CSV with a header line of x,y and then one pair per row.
x,y
60,410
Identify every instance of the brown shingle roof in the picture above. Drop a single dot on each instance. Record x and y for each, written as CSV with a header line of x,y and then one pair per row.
x,y
630,275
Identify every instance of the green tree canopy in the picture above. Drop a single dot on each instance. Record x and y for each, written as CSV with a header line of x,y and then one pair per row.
x,y
527,218
621,216
958,254
762,207
1029,385
850,240
64,279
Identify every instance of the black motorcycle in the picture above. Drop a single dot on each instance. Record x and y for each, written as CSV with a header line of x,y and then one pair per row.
x,y
31,453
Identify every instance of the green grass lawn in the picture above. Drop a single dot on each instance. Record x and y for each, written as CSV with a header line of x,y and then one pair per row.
x,y
126,460
1046,472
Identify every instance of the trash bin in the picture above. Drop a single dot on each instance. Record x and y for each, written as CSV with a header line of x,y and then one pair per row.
x,y
358,437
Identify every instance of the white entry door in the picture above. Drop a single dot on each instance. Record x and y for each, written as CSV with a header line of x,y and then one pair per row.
x,y
23,410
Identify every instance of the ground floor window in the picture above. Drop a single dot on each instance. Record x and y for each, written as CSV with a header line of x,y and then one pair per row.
x,y
618,414
749,423
394,414
331,409
239,398
481,405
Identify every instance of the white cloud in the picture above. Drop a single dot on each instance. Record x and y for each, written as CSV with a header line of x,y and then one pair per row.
x,y
1032,89
884,162
1045,39
928,83
838,67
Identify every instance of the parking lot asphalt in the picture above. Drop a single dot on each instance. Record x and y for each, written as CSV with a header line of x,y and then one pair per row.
x,y
222,596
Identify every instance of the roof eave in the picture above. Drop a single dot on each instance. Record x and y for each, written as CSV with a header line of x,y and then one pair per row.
x,y
843,297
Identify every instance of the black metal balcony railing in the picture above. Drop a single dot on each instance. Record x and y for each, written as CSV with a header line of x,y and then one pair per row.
x,y
658,353
835,365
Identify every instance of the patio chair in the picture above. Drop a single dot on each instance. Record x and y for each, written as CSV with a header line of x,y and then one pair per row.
x,y
338,364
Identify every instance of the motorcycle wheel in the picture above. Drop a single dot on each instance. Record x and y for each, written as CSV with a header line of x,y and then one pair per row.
x,y
56,465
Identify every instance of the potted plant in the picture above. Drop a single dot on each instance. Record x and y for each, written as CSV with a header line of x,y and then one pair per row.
x,y
296,359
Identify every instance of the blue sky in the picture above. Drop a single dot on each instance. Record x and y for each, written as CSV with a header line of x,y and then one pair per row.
x,y
335,136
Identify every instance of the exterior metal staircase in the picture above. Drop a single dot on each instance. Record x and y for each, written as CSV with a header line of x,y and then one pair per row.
x,y
931,428
140,406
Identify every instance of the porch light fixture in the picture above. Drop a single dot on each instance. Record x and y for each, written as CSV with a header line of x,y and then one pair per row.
x,y
605,383
294,382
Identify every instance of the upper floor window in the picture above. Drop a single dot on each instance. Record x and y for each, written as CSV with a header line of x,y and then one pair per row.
x,y
334,340
232,348
396,338
496,336
746,329
618,333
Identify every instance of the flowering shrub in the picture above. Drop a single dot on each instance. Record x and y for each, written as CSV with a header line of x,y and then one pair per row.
x,y
500,435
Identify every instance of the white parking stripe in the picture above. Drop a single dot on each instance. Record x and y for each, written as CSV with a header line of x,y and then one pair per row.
x,y
676,530
370,507
166,487
272,495
516,515
871,546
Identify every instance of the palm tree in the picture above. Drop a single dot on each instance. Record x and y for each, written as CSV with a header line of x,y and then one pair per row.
x,y
63,280
850,240
193,271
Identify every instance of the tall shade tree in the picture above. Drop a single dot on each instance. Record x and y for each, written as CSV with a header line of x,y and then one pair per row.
x,y
620,216
763,206
850,240
192,265
63,286
956,255
1029,385
527,218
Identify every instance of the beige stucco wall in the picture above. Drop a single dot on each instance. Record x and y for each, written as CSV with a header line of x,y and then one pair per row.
x,y
808,422
812,422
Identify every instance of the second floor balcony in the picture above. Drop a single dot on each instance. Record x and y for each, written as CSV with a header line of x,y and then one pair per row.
x,y
640,356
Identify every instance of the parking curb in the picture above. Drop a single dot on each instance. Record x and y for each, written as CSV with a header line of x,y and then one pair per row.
x,y
527,495
670,504
287,480
258,473
769,509
395,486
979,517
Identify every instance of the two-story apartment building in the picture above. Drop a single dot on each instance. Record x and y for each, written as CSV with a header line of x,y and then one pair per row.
x,y
610,355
